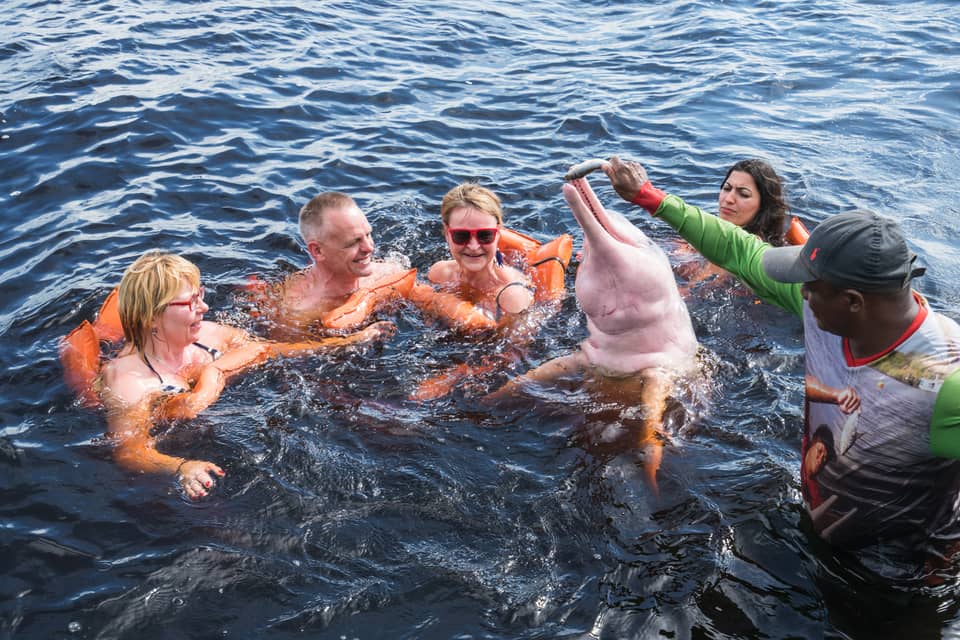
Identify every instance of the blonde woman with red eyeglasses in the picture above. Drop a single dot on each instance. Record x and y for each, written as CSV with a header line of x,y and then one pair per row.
x,y
174,364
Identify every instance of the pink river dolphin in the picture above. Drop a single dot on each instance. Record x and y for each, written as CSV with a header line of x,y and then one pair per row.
x,y
640,335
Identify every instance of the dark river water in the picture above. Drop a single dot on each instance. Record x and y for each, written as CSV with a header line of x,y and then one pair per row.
x,y
349,511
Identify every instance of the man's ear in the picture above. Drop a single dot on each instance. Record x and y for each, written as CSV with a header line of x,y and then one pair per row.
x,y
854,300
315,250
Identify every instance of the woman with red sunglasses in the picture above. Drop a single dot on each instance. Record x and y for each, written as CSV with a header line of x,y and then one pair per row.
x,y
174,363
472,220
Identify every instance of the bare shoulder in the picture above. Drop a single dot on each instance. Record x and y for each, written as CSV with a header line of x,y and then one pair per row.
x,y
301,301
294,289
515,275
221,336
127,381
444,272
516,295
386,268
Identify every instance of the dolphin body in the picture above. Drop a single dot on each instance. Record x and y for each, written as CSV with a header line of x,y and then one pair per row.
x,y
640,335
636,319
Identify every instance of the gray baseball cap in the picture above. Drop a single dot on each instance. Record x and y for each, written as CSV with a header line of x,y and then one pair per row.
x,y
858,250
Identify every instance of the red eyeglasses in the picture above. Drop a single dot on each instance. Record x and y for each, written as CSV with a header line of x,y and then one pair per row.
x,y
192,303
483,236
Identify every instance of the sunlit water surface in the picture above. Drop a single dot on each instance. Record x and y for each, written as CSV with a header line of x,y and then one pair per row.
x,y
347,510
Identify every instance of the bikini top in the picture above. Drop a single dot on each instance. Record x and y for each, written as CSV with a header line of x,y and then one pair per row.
x,y
175,388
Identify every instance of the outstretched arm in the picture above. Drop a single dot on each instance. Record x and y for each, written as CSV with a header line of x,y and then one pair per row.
x,y
250,353
546,373
721,242
451,309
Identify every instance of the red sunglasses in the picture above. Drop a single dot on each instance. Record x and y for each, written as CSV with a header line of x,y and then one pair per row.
x,y
483,236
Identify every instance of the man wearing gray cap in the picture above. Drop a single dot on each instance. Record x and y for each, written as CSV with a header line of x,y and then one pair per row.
x,y
890,489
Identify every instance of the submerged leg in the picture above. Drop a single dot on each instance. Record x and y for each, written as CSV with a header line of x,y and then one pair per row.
x,y
644,400
547,372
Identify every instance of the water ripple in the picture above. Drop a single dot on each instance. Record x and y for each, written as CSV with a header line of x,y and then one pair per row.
x,y
348,510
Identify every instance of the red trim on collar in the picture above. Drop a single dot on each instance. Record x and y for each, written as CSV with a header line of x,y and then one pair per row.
x,y
917,321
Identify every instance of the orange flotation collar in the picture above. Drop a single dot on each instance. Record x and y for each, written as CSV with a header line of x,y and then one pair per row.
x,y
797,233
365,301
80,350
547,262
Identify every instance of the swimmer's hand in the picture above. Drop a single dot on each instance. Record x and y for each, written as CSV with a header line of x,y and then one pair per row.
x,y
625,176
197,477
377,331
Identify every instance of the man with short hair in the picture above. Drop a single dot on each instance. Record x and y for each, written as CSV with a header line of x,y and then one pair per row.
x,y
890,493
340,242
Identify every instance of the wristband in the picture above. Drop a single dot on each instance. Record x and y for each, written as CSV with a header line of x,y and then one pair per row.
x,y
649,197
183,461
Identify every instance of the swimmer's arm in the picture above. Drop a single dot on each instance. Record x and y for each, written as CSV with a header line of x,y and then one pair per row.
x,y
254,352
945,424
450,308
730,247
371,333
189,404
517,330
545,373
136,448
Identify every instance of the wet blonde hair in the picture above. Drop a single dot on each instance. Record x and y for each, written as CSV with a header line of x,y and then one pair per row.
x,y
470,194
148,285
311,215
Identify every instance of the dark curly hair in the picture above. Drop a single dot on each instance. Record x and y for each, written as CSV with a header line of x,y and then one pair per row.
x,y
770,222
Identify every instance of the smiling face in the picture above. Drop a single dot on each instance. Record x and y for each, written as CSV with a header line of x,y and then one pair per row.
x,y
148,285
739,199
180,323
344,244
471,256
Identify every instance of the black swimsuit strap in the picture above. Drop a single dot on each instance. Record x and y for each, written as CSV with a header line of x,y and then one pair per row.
x,y
150,366
548,259
214,353
516,283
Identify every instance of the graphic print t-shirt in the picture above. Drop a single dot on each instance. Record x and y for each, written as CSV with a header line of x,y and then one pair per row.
x,y
880,479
